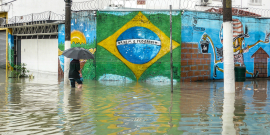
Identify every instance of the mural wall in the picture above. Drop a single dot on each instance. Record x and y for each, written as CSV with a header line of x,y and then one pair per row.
x,y
83,34
250,42
10,50
135,46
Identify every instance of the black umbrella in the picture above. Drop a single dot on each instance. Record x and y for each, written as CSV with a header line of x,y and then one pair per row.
x,y
78,53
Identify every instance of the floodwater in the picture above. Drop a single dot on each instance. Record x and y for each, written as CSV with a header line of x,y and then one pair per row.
x,y
44,105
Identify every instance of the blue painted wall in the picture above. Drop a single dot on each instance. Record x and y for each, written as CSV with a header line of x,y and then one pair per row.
x,y
250,34
83,34
10,50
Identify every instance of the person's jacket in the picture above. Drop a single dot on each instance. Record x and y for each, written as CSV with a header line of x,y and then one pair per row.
x,y
74,69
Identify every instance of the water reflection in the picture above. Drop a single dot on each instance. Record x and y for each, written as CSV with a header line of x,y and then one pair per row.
x,y
251,107
136,108
228,114
260,95
240,106
48,106
3,98
195,106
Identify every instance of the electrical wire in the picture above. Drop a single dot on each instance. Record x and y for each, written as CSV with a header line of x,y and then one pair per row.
x,y
8,3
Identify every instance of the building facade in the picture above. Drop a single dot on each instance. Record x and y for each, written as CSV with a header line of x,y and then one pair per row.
x,y
21,8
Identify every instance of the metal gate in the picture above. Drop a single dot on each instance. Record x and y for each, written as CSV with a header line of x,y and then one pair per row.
x,y
2,49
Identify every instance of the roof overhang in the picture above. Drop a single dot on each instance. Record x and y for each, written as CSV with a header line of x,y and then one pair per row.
x,y
36,28
33,24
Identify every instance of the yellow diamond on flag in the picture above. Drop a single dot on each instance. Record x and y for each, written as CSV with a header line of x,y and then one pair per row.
x,y
140,21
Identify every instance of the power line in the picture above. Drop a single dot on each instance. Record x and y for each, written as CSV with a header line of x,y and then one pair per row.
x,y
7,3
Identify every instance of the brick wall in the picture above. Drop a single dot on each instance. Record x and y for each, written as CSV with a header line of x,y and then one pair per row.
x,y
260,62
194,64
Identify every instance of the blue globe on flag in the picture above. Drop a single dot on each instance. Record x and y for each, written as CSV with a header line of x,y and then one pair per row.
x,y
138,45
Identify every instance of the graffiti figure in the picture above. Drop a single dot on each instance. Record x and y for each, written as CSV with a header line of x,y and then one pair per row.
x,y
239,47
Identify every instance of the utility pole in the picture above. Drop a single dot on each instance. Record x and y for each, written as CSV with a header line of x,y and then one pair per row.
x,y
171,48
67,38
229,78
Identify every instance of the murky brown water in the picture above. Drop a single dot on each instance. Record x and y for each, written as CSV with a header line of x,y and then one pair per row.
x,y
44,105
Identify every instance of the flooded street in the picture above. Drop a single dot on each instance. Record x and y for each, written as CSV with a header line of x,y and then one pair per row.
x,y
44,105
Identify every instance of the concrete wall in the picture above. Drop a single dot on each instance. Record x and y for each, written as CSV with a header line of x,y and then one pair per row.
x,y
25,7
262,9
19,7
40,55
251,41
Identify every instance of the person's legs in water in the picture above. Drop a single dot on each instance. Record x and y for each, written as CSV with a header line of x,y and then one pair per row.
x,y
72,82
79,83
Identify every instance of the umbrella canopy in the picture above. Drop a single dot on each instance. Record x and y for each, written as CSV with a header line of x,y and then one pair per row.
x,y
78,53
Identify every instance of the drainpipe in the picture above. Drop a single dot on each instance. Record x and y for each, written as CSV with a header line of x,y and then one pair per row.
x,y
67,39
229,78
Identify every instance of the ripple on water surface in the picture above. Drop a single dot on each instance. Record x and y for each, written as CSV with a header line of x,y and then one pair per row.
x,y
44,107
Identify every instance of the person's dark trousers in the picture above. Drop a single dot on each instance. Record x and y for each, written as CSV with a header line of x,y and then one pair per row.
x,y
72,82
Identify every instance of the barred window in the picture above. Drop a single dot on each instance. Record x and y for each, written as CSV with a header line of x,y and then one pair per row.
x,y
256,2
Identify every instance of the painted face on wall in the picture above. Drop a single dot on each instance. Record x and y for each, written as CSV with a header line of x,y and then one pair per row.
x,y
138,45
239,48
238,36
237,45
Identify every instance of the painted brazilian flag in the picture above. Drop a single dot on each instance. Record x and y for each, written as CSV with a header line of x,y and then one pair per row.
x,y
136,46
